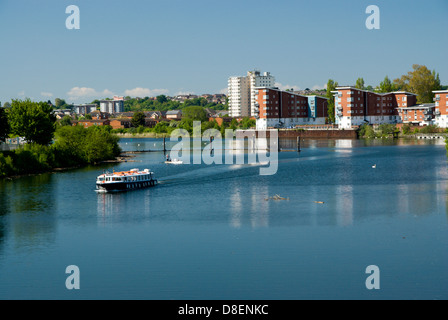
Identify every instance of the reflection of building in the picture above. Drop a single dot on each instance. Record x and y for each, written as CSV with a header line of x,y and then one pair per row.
x,y
344,205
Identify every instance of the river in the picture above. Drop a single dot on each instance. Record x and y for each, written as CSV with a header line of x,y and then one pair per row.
x,y
214,232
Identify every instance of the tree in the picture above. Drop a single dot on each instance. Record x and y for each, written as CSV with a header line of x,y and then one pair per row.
x,y
420,81
66,121
59,103
247,123
360,83
331,86
4,125
6,105
32,120
195,113
138,119
162,98
386,86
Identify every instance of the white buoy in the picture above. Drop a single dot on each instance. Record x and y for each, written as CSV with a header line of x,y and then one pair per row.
x,y
374,166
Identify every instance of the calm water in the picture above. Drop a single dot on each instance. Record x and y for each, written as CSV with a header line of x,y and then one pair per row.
x,y
207,232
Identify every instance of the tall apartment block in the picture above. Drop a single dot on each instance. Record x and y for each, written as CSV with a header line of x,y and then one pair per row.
x,y
112,106
354,107
242,92
239,96
441,108
277,108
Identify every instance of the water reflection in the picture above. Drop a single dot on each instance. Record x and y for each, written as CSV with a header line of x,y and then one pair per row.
x,y
124,207
249,204
260,207
30,214
4,210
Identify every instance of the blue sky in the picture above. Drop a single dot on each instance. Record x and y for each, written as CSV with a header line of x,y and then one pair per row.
x,y
145,48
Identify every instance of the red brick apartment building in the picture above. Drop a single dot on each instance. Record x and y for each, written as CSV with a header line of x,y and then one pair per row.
x,y
277,108
441,108
354,107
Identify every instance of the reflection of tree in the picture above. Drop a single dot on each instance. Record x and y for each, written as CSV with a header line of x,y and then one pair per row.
x,y
31,210
3,213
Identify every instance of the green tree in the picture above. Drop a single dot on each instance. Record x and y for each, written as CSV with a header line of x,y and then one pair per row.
x,y
66,121
162,98
331,86
420,81
247,123
386,86
59,103
138,119
32,120
4,125
195,113
360,83
6,105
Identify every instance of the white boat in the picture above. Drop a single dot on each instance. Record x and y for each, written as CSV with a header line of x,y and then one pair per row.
x,y
174,161
125,180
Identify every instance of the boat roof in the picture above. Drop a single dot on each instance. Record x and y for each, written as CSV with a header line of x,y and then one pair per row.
x,y
131,172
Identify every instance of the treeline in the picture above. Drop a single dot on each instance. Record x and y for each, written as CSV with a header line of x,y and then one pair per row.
x,y
189,115
389,130
420,81
163,103
50,145
168,127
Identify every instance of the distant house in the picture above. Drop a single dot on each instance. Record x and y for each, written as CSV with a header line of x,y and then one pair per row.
x,y
99,115
210,112
221,120
150,123
59,115
129,114
91,123
182,98
174,115
221,113
155,115
120,123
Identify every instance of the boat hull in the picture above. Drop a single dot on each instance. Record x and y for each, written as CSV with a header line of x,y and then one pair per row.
x,y
125,186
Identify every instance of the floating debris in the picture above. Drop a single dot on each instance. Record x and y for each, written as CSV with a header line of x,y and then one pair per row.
x,y
321,202
276,197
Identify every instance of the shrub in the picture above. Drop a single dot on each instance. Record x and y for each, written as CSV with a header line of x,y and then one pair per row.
x,y
6,165
366,131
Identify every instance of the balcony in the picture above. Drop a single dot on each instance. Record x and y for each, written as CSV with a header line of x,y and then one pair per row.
x,y
427,118
427,112
437,113
436,99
